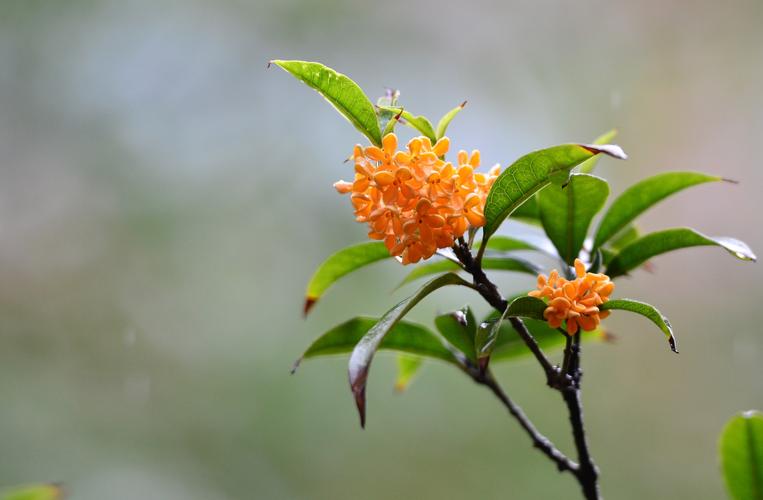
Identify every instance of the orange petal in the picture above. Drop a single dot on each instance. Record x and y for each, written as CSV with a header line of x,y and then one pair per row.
x,y
441,147
579,268
343,187
389,142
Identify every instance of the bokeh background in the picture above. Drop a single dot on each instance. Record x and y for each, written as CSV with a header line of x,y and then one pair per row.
x,y
164,199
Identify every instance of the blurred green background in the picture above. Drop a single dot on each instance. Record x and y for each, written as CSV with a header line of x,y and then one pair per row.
x,y
164,199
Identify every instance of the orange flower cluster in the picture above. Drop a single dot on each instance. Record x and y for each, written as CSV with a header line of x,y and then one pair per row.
x,y
576,301
414,200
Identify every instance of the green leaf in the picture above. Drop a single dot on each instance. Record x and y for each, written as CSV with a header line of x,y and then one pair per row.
x,y
419,123
525,306
528,212
442,125
494,263
459,328
566,212
606,138
362,355
626,236
531,173
508,244
407,368
646,247
645,310
488,333
341,92
339,264
642,195
404,337
741,453
41,492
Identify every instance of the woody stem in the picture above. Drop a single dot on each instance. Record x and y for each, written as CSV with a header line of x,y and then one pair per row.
x,y
566,381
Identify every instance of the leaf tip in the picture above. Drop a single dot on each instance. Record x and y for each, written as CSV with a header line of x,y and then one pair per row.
x,y
463,104
358,387
672,342
730,181
296,365
612,150
360,402
309,303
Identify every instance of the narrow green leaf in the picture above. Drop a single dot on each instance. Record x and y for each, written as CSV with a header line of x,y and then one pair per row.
x,y
340,264
741,453
404,337
407,368
459,328
419,123
488,333
486,338
531,173
626,236
41,492
606,138
646,247
509,244
362,355
566,212
494,263
642,195
645,310
341,92
442,125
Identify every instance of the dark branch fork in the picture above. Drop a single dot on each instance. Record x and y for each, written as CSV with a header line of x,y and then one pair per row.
x,y
565,379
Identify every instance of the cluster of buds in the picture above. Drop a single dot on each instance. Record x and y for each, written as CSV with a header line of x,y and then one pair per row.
x,y
576,301
414,200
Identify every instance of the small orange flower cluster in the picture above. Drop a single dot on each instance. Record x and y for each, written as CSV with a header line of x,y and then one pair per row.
x,y
414,200
576,301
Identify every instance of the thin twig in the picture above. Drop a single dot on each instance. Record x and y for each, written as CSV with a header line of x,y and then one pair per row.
x,y
566,380
540,441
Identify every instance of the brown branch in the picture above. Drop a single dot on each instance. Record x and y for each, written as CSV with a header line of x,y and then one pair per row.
x,y
565,379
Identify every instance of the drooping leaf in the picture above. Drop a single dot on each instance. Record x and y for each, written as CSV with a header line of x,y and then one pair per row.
x,y
442,125
404,337
646,247
341,92
566,212
40,492
407,368
494,263
642,195
646,310
459,328
340,264
606,138
531,173
362,355
419,123
741,453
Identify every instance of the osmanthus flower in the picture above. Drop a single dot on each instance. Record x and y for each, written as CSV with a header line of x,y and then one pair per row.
x,y
574,302
415,201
